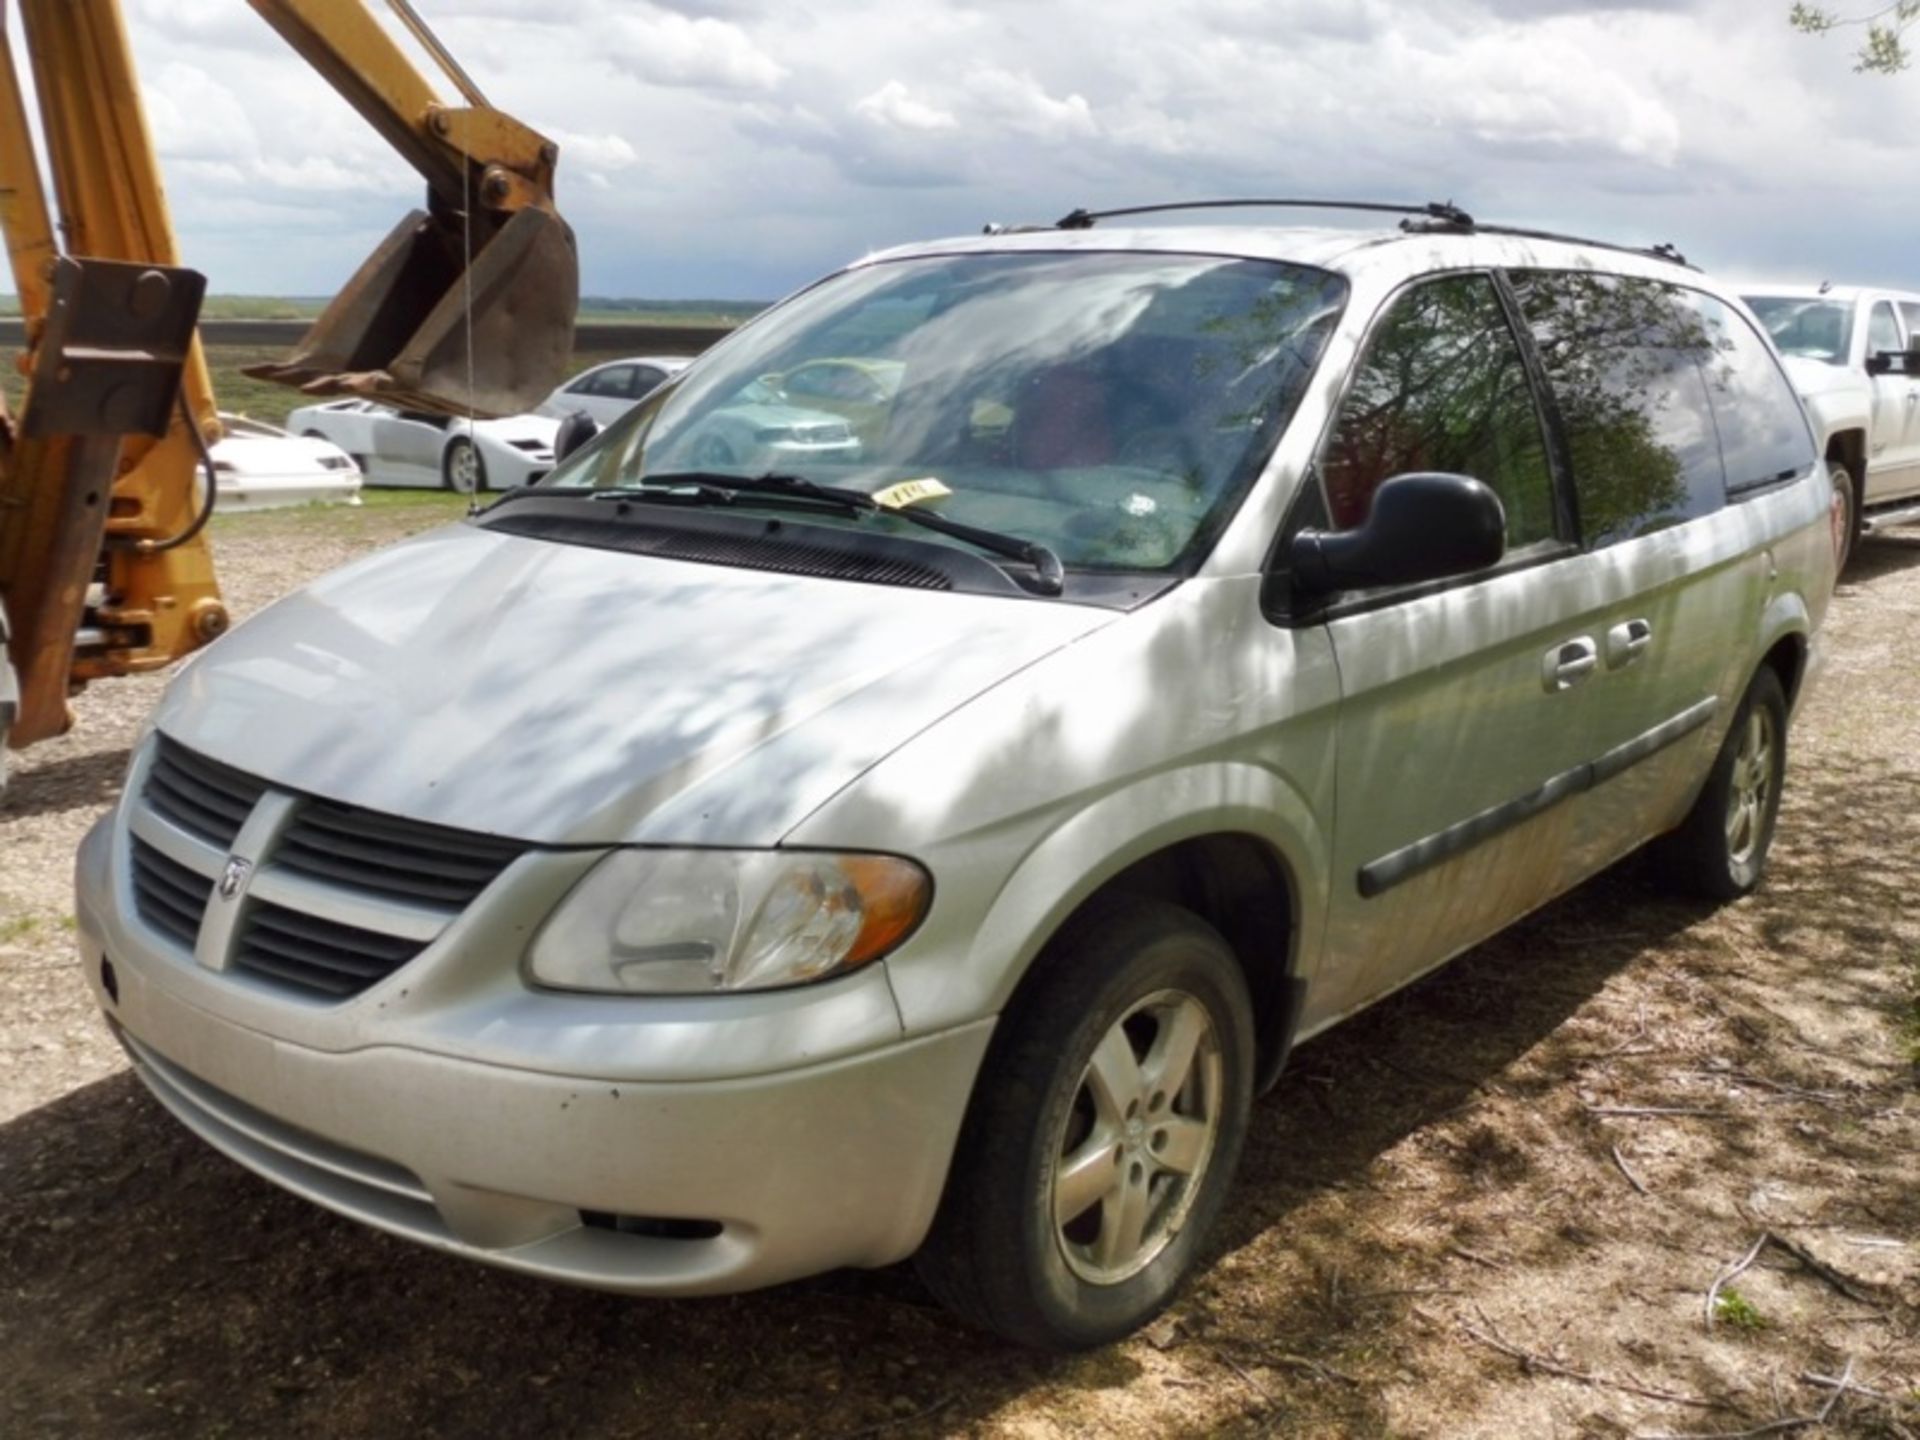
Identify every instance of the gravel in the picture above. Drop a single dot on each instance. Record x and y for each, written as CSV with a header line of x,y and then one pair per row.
x,y
1442,1225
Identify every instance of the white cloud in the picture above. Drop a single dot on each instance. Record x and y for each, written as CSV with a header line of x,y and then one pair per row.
x,y
670,49
1020,103
893,105
755,144
601,152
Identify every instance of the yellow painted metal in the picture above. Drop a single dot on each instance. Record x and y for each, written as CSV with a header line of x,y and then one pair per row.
x,y
467,307
156,605
490,182
23,199
349,47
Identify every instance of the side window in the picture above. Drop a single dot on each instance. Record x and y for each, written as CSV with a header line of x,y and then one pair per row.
x,y
1910,312
616,382
1625,361
1763,432
1883,331
645,377
1441,386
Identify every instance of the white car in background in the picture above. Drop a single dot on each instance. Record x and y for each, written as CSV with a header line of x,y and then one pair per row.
x,y
260,466
606,392
411,447
1854,355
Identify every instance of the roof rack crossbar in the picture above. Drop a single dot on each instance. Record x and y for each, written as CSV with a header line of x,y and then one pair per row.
x,y
1444,211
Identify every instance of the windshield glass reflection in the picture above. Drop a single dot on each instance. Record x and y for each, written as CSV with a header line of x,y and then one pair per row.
x,y
1112,407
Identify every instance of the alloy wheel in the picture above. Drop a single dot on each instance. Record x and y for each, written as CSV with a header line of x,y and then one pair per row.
x,y
1136,1141
1752,789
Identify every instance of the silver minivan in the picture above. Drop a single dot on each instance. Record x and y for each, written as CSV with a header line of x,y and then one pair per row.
x,y
684,876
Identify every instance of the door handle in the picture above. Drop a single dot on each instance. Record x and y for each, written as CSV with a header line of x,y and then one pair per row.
x,y
1625,643
1568,663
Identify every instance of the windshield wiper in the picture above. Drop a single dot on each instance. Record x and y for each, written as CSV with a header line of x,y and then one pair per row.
x,y
1049,574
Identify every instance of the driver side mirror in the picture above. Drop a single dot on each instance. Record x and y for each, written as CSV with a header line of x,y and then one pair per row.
x,y
576,430
1893,362
1423,526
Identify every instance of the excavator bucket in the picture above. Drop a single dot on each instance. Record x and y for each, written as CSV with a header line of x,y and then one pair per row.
x,y
420,329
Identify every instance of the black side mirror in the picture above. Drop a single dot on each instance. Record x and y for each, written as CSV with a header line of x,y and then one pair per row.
x,y
576,430
1422,527
1891,362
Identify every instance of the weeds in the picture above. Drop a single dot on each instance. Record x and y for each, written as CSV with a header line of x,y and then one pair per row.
x,y
1736,1310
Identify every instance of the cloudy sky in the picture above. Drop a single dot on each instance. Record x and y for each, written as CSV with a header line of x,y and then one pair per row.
x,y
736,148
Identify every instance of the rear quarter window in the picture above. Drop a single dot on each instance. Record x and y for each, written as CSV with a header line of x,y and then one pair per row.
x,y
1625,361
1763,432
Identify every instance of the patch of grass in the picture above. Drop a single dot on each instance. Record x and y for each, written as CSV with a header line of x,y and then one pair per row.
x,y
17,927
1732,1308
386,497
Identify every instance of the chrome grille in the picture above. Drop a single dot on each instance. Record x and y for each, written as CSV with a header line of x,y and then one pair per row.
x,y
337,899
389,856
169,896
199,794
315,954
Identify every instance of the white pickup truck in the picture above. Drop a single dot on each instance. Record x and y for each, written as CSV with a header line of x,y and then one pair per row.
x,y
1854,355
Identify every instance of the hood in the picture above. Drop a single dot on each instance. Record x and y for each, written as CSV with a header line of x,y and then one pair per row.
x,y
566,695
1816,377
510,428
250,455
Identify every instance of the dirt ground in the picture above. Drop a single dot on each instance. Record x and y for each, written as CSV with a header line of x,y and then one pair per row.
x,y
1493,1206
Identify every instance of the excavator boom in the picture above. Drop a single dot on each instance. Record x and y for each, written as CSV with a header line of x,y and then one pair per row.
x,y
468,306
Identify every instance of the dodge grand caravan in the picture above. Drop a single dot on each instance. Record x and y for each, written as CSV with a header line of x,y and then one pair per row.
x,y
684,875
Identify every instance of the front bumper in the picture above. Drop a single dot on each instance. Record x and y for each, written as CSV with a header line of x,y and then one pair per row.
x,y
620,1174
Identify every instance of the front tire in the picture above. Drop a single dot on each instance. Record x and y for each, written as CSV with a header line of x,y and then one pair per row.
x,y
461,468
1720,850
1103,1133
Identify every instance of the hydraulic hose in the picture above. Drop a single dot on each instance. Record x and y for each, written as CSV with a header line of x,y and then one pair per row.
x,y
155,547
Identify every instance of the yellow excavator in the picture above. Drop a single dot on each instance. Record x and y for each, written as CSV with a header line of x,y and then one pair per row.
x,y
466,308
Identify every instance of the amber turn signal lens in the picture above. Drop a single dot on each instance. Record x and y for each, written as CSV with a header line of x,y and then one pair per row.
x,y
894,895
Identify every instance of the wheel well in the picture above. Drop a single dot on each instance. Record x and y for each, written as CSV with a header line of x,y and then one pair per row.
x,y
1849,447
1240,886
1788,657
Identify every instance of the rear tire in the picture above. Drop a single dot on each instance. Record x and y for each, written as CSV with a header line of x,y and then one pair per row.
x,y
1102,1135
461,468
1846,514
1720,850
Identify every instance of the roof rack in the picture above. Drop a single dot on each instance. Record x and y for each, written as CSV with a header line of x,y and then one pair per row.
x,y
1442,210
1435,217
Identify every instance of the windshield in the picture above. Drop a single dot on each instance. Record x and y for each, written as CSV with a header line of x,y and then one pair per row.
x,y
1112,408
1817,329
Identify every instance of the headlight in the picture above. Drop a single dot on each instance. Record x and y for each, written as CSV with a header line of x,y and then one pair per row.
x,y
657,922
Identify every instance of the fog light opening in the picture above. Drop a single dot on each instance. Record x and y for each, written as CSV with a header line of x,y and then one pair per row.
x,y
653,1227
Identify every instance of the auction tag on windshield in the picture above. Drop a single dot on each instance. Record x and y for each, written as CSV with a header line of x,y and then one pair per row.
x,y
910,492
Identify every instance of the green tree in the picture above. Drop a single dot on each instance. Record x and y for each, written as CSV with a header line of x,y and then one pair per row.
x,y
1884,51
